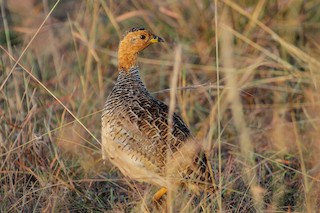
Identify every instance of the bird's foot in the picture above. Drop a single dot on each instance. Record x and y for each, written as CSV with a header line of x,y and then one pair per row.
x,y
158,195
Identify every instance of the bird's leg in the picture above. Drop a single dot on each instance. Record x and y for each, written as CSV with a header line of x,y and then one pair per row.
x,y
157,196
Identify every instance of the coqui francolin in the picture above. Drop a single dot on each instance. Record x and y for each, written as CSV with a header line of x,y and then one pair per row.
x,y
136,136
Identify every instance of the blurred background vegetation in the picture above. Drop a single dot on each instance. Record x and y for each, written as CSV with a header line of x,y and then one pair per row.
x,y
248,88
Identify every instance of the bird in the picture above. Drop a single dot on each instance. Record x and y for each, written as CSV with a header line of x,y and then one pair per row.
x,y
136,135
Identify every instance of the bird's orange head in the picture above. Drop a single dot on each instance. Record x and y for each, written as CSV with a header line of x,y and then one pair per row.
x,y
133,42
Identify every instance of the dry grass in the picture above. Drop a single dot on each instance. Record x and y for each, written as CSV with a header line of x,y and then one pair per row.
x,y
259,122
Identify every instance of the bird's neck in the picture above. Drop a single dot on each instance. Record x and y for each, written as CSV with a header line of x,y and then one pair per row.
x,y
131,80
127,58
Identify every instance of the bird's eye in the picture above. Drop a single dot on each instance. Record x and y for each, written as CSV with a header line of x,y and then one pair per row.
x,y
142,36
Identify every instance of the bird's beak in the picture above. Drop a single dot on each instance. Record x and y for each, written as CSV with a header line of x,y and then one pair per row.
x,y
156,39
